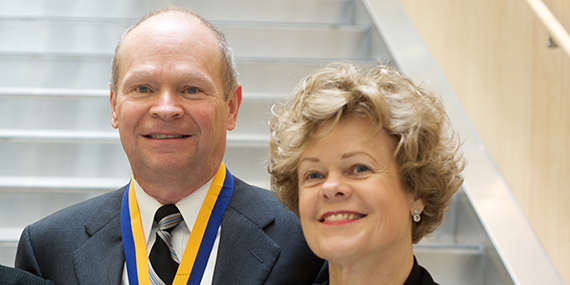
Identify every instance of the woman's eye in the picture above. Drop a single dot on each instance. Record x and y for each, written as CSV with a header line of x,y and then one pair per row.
x,y
142,89
192,90
360,168
314,175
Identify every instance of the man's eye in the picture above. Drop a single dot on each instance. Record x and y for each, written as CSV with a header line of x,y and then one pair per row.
x,y
192,90
142,89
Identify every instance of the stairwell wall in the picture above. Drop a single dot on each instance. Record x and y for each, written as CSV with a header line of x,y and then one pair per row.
x,y
516,90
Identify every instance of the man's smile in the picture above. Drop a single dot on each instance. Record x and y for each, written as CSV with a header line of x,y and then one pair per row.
x,y
160,136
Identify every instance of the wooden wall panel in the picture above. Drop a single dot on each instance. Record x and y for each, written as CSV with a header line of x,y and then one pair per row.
x,y
563,261
517,93
546,141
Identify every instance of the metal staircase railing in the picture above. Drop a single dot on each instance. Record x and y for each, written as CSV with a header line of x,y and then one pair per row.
x,y
557,31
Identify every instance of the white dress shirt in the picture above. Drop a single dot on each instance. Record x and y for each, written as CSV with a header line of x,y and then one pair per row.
x,y
189,208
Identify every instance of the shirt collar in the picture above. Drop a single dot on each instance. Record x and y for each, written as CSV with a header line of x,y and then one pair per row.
x,y
189,206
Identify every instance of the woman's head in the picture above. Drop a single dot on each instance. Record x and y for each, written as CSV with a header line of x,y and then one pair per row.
x,y
352,203
424,147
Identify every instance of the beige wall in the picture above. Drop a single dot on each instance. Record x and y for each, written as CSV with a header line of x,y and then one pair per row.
x,y
517,93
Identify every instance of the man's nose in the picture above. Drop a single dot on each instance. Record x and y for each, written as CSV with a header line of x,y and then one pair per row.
x,y
335,188
167,106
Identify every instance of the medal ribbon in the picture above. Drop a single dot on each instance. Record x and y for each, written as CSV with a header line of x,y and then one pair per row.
x,y
200,242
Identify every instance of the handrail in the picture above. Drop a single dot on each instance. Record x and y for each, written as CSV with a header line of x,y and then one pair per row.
x,y
556,29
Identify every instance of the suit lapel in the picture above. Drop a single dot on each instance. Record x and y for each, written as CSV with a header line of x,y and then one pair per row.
x,y
246,253
100,260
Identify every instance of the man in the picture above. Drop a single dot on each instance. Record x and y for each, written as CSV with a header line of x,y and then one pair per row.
x,y
174,95
14,276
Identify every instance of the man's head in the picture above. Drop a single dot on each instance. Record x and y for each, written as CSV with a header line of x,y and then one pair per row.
x,y
229,72
171,103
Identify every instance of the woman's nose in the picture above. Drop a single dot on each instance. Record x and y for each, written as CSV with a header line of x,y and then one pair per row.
x,y
335,188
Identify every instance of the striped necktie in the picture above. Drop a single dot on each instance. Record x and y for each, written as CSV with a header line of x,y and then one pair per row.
x,y
163,261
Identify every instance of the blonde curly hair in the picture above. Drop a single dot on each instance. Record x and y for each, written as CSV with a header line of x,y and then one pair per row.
x,y
427,150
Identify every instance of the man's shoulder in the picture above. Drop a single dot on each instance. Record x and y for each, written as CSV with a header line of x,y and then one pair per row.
x,y
253,191
261,207
10,275
257,225
77,214
256,198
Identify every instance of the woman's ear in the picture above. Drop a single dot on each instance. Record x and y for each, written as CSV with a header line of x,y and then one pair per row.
x,y
417,204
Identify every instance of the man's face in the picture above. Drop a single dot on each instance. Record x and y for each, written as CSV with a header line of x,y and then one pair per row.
x,y
169,107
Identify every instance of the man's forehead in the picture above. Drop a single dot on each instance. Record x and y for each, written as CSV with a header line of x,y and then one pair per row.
x,y
177,28
178,17
169,21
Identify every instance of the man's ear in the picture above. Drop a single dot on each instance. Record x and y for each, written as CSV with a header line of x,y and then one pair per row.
x,y
113,102
234,102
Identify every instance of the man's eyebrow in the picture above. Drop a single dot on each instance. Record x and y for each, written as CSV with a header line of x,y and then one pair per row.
x,y
192,76
181,75
138,74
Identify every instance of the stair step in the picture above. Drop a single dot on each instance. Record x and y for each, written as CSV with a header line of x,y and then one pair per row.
x,y
453,266
87,36
32,198
38,93
286,11
318,41
73,184
10,234
460,249
245,160
61,93
98,137
68,71
53,109
58,136
60,71
53,184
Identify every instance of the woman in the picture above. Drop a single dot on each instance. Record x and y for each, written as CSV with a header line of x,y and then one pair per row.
x,y
369,164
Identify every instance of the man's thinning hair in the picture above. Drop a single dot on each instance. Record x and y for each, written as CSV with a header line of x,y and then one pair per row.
x,y
228,66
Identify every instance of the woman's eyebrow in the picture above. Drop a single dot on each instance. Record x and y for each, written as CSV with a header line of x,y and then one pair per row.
x,y
355,153
309,159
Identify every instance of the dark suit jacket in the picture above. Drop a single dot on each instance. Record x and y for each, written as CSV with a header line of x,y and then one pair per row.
x,y
13,276
261,243
418,276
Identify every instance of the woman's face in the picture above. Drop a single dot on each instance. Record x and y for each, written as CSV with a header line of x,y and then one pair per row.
x,y
351,201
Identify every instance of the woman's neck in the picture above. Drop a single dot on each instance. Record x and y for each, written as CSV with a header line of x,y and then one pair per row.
x,y
376,269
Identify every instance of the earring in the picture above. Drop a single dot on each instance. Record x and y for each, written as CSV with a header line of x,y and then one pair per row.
x,y
417,216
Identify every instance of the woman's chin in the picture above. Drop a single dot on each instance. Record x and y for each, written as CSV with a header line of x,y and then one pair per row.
x,y
339,250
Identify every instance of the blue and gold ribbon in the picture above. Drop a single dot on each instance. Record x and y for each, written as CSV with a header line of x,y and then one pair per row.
x,y
200,242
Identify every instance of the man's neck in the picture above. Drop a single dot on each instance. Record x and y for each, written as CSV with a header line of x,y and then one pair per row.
x,y
167,191
168,185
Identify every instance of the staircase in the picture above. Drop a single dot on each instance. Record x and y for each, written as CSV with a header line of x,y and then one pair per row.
x,y
57,147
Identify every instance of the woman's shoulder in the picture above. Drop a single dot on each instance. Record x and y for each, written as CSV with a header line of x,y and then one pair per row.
x,y
323,276
419,276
